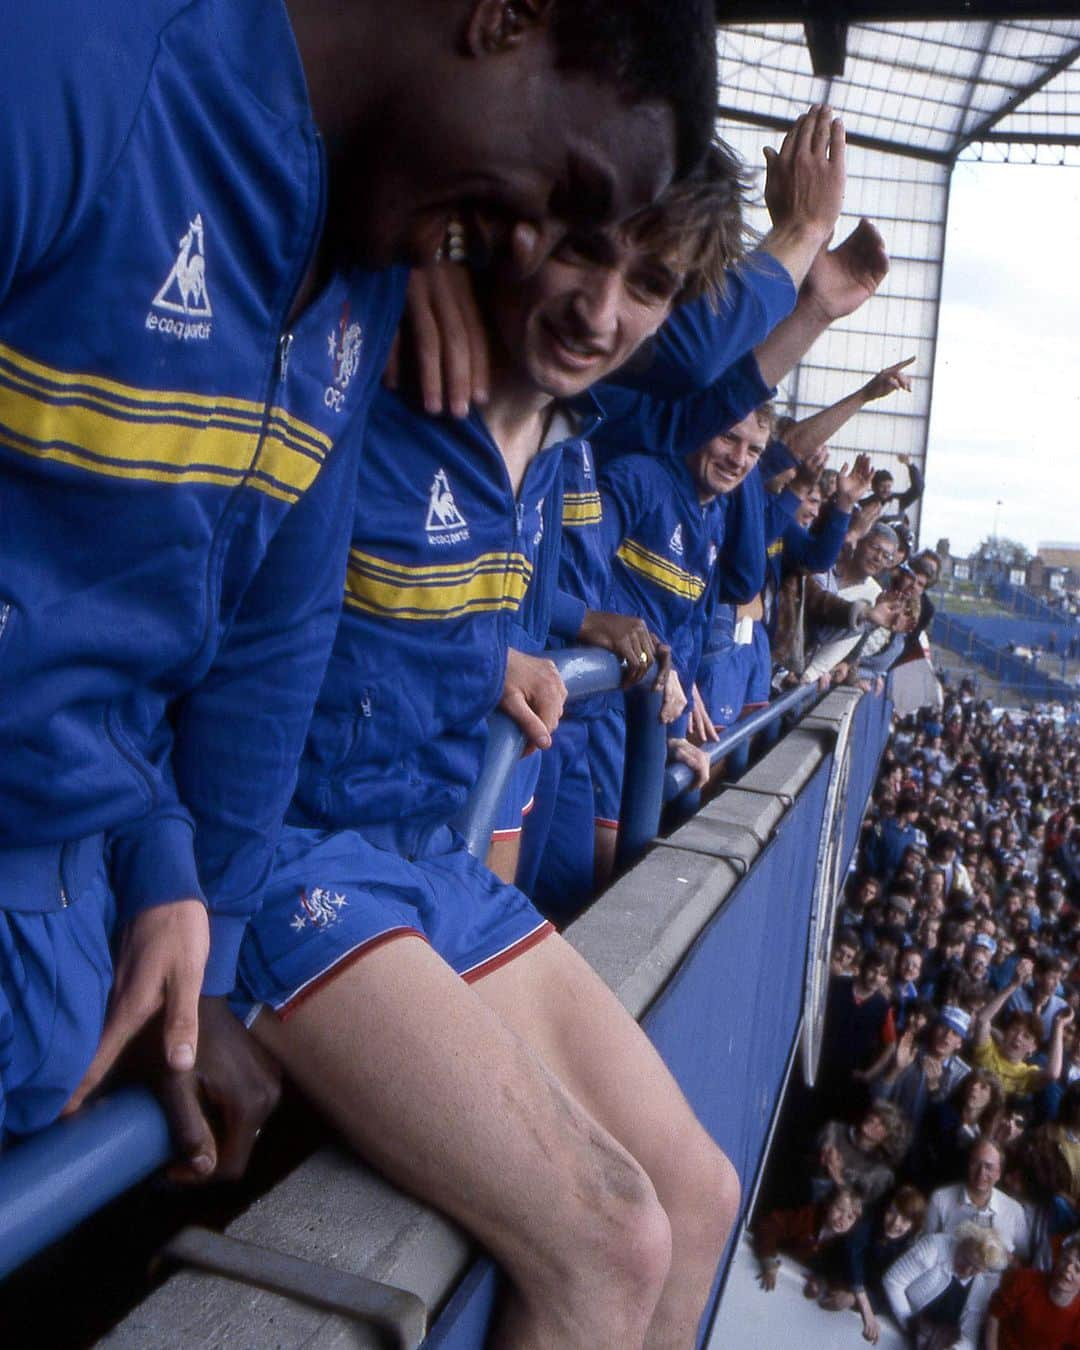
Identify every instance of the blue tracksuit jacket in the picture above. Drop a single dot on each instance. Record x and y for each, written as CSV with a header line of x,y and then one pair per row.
x,y
175,514
442,558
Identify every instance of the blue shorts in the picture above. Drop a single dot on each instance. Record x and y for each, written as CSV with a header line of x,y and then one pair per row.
x,y
334,897
759,685
55,975
607,756
517,800
557,862
723,680
734,678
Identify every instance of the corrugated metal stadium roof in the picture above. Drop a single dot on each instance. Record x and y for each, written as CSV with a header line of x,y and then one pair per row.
x,y
918,87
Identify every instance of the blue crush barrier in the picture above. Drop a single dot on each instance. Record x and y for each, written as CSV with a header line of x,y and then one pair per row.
x,y
1033,681
61,1176
1024,602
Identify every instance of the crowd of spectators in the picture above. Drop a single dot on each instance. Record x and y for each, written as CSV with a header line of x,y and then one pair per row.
x,y
942,1186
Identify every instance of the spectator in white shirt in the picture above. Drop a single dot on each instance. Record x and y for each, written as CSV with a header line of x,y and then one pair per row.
x,y
977,1200
940,1289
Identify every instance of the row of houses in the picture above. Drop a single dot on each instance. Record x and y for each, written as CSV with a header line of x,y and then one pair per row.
x,y
1053,574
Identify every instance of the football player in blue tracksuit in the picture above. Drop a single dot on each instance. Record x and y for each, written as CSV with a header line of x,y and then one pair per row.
x,y
500,1100
369,860
172,389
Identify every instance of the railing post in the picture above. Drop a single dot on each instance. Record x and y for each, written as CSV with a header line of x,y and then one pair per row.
x,y
643,775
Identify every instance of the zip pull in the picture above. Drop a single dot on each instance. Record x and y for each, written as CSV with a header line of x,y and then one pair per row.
x,y
365,706
519,516
284,347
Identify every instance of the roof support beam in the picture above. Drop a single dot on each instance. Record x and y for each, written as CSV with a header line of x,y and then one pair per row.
x,y
826,40
781,126
888,11
980,131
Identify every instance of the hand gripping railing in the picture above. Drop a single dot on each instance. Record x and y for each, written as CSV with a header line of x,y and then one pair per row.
x,y
679,777
585,671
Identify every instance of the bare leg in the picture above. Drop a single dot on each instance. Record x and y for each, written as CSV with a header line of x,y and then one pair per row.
x,y
437,1093
557,1003
502,858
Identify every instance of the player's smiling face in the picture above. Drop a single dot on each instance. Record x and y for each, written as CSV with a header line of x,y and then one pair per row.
x,y
722,463
585,311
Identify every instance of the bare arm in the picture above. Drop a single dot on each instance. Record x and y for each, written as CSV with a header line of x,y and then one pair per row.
x,y
839,281
871,1328
990,1333
1055,1054
989,1011
821,426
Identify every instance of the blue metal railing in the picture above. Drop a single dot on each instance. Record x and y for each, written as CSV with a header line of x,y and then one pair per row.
x,y
679,777
75,1167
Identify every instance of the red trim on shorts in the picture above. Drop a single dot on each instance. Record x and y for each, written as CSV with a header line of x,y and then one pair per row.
x,y
602,824
528,806
753,707
498,836
508,953
340,966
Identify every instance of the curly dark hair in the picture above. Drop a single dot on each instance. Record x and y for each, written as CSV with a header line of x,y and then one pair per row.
x,y
648,49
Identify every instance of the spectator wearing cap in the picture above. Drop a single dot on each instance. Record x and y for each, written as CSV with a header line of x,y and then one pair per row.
x,y
1041,996
916,1078
1038,1309
977,1200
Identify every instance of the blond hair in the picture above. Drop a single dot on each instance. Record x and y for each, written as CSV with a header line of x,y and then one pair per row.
x,y
987,1244
697,225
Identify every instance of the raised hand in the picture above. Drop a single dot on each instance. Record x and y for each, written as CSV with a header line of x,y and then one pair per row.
x,y
888,381
804,182
809,470
843,278
854,484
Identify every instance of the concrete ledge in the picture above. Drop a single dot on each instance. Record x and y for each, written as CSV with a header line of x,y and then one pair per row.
x,y
333,1210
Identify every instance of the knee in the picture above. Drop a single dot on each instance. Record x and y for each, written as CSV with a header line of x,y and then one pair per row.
x,y
706,1205
619,1255
634,1236
723,1196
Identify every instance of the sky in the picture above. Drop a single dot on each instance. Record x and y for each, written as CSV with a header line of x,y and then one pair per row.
x,y
1005,416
